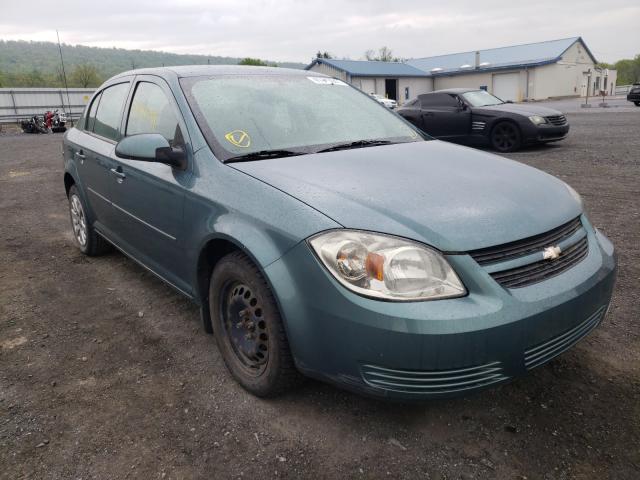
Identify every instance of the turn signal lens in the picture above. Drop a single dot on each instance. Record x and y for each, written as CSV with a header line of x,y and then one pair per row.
x,y
386,267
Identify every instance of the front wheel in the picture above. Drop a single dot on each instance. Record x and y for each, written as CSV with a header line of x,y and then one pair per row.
x,y
637,104
248,329
505,137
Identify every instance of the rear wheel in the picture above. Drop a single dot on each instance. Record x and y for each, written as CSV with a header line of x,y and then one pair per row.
x,y
505,137
248,328
87,239
637,104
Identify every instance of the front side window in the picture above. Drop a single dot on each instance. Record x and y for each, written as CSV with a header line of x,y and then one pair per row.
x,y
439,100
107,122
151,112
481,98
242,114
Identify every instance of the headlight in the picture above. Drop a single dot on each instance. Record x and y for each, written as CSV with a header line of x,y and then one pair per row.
x,y
537,119
386,267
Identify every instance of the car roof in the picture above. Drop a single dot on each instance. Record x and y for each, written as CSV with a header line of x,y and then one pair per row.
x,y
454,90
214,70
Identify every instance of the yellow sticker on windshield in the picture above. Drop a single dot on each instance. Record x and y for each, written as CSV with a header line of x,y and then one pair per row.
x,y
238,138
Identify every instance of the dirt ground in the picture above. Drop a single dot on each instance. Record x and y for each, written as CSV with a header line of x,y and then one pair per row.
x,y
105,372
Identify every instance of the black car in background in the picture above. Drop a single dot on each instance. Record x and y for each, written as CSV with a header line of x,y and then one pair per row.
x,y
634,94
473,116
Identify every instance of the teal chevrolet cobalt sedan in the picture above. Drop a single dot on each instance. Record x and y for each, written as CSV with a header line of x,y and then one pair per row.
x,y
322,235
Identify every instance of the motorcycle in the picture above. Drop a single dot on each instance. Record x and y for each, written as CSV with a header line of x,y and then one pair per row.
x,y
52,121
34,125
55,121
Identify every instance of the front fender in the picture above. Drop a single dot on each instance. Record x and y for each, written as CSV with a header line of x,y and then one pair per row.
x,y
226,204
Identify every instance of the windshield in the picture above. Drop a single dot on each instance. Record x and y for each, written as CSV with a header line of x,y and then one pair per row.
x,y
481,98
244,114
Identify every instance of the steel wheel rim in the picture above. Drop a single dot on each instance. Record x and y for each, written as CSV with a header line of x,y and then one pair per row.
x,y
78,220
245,327
504,136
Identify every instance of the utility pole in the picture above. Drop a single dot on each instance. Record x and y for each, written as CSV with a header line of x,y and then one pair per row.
x,y
64,76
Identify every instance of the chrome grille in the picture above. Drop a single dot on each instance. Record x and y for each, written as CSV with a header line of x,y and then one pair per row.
x,y
557,120
520,248
538,271
542,353
478,125
433,381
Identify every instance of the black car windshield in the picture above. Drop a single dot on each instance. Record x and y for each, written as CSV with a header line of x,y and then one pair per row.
x,y
481,98
244,114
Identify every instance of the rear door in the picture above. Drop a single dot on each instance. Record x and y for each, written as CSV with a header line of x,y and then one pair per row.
x,y
95,150
148,197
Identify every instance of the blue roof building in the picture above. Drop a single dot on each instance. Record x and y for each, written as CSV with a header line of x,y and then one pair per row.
x,y
533,71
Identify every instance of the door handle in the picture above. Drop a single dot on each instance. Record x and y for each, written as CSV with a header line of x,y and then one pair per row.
x,y
118,173
80,155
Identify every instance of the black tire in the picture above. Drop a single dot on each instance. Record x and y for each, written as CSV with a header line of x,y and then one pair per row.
x,y
248,328
637,104
93,243
505,137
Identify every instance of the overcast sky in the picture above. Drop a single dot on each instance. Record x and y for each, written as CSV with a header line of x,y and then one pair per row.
x,y
294,30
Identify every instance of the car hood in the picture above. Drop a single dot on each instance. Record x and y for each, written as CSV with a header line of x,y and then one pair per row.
x,y
526,109
451,197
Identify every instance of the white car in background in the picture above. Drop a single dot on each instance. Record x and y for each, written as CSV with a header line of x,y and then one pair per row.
x,y
387,102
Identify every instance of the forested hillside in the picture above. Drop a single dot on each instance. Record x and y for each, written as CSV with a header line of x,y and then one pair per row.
x,y
37,64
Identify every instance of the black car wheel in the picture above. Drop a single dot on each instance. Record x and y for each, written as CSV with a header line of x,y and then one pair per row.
x,y
505,137
637,104
248,328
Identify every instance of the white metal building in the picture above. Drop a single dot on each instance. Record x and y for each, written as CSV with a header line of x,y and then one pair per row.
x,y
395,80
535,71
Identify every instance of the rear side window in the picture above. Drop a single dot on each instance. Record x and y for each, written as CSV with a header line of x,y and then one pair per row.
x,y
107,120
151,112
91,116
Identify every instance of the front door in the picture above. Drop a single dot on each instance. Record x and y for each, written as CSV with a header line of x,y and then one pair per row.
x,y
444,117
148,197
391,88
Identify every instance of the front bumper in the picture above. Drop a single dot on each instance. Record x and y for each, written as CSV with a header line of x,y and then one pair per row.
x,y
433,349
633,97
545,133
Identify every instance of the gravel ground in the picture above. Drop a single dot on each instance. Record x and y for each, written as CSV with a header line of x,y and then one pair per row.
x,y
106,373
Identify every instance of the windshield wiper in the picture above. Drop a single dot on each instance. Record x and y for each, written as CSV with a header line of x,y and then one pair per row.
x,y
263,154
356,144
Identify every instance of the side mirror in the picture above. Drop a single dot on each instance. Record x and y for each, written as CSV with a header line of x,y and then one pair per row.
x,y
509,101
151,147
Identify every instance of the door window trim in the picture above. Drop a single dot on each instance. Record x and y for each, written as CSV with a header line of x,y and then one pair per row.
x,y
164,86
98,97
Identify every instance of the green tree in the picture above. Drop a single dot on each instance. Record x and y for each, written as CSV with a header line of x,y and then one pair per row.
x,y
628,70
85,76
252,61
324,54
33,78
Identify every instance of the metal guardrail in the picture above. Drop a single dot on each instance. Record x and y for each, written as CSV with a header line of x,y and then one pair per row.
x,y
623,89
22,103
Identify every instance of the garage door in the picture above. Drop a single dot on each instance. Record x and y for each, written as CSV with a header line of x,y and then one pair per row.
x,y
367,85
506,86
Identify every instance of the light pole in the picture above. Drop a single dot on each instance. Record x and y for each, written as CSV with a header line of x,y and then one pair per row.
x,y
586,98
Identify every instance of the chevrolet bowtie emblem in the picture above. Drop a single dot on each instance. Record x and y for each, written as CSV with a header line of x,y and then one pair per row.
x,y
551,253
